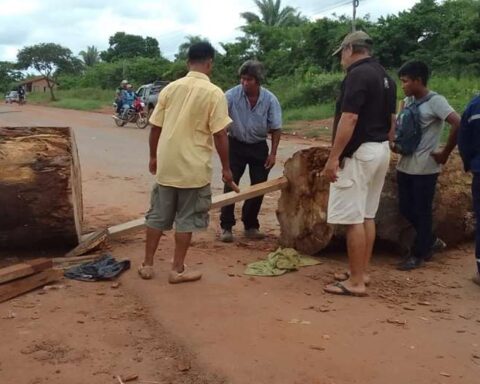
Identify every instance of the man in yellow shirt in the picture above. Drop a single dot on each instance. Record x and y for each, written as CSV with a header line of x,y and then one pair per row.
x,y
189,112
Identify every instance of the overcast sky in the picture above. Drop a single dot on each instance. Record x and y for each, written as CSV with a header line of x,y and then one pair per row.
x,y
77,24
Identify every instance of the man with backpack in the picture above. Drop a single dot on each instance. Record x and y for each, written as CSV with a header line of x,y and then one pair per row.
x,y
422,117
360,156
469,147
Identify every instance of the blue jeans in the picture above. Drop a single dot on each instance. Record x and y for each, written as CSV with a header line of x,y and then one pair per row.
x,y
415,198
476,208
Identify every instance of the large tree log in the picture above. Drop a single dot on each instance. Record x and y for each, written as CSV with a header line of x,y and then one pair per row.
x,y
303,205
40,188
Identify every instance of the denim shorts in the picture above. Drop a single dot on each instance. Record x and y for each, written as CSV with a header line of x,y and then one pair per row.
x,y
186,207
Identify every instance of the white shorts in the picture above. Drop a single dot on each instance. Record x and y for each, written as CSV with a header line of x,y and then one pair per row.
x,y
355,195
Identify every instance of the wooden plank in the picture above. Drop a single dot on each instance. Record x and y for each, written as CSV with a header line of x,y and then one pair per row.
x,y
126,227
26,268
69,262
217,202
62,260
88,243
26,284
260,189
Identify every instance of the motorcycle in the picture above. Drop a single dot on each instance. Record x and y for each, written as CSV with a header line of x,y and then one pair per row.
x,y
134,114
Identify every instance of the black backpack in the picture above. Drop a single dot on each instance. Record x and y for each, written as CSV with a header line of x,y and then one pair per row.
x,y
408,131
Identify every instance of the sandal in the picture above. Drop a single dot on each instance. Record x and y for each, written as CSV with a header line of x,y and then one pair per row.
x,y
145,271
339,289
342,276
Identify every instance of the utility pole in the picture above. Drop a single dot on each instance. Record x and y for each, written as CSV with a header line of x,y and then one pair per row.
x,y
354,18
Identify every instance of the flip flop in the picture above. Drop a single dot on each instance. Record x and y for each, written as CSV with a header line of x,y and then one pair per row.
x,y
342,290
342,276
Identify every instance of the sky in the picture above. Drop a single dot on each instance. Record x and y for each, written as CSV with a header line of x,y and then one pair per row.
x,y
76,24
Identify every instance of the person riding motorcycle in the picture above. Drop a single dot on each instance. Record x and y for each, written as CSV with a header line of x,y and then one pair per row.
x,y
118,95
127,97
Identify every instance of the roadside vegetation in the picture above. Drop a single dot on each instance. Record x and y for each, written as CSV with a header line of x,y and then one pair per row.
x,y
296,53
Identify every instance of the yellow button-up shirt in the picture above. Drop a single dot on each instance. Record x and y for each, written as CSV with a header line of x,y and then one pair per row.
x,y
189,110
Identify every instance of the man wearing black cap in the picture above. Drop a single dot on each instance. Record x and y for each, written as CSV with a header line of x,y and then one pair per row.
x,y
360,155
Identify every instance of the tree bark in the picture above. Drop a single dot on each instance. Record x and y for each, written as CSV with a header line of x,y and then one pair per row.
x,y
40,188
302,208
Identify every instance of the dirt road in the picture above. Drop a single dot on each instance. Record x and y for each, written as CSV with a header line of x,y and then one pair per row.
x,y
419,327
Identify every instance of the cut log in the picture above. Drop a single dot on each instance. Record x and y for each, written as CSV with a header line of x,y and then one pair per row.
x,y
217,202
303,205
17,287
40,188
27,268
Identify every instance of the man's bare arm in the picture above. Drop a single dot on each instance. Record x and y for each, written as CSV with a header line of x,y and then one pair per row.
x,y
344,133
441,157
271,159
155,133
221,144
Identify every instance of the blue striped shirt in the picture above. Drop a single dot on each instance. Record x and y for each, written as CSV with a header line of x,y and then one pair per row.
x,y
251,125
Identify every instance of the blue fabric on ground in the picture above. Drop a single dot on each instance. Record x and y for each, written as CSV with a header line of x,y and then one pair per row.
x,y
105,268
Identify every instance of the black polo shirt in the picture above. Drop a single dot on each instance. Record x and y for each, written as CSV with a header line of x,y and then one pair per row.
x,y
369,92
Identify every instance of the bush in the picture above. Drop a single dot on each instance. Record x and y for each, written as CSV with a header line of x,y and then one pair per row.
x,y
309,89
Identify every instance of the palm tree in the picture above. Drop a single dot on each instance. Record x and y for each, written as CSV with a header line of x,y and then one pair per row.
x,y
91,56
272,14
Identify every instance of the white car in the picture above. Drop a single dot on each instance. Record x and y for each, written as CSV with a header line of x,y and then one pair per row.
x,y
12,97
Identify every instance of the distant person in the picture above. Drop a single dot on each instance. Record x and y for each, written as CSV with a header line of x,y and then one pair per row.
x,y
189,112
118,95
469,147
127,97
360,156
418,172
21,94
256,113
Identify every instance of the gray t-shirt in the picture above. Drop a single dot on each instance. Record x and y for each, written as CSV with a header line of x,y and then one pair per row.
x,y
433,114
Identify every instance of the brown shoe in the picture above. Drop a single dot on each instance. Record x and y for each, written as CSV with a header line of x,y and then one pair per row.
x,y
145,271
183,277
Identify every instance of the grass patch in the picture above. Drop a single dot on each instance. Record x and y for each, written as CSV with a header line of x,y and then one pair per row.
x,y
80,104
84,99
311,112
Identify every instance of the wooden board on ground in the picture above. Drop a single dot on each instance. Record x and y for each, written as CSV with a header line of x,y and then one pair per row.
x,y
218,201
26,268
89,243
67,262
17,287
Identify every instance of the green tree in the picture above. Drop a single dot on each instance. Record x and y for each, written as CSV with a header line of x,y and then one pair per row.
x,y
124,46
91,56
8,75
272,14
49,60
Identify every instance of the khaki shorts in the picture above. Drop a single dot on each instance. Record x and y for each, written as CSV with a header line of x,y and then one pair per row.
x,y
187,207
355,196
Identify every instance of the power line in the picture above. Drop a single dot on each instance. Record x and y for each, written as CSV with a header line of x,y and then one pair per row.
x,y
330,7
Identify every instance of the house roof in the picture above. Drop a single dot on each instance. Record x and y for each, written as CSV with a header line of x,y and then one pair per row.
x,y
34,79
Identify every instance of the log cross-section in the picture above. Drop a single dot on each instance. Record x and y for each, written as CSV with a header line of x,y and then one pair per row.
x,y
40,188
